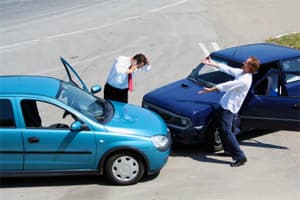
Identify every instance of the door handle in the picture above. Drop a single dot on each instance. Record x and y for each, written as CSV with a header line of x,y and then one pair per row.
x,y
32,140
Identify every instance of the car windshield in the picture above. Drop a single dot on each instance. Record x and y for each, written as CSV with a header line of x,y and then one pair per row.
x,y
87,104
208,75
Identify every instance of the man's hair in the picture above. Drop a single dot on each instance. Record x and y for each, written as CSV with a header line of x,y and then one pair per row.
x,y
255,64
140,58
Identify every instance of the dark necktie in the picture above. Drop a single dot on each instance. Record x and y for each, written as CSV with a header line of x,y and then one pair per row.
x,y
130,83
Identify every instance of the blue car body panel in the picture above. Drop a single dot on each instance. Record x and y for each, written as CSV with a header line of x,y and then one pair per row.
x,y
276,109
29,85
59,150
127,115
266,53
11,141
186,96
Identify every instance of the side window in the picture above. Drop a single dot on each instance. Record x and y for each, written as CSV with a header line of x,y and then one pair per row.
x,y
268,86
291,77
39,114
291,68
7,119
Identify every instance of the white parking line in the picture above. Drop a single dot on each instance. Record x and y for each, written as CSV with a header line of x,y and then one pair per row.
x,y
19,44
215,46
96,27
93,28
169,6
205,50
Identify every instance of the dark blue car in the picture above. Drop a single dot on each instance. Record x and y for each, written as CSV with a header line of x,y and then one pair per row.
x,y
273,102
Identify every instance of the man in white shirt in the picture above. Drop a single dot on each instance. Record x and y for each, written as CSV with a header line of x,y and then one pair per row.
x,y
119,80
231,102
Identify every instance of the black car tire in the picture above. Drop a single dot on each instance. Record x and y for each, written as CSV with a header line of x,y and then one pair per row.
x,y
212,139
124,168
151,177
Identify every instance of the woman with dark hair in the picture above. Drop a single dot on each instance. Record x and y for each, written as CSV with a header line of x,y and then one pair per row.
x,y
120,77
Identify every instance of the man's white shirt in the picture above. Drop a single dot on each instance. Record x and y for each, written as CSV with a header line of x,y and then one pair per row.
x,y
118,76
235,90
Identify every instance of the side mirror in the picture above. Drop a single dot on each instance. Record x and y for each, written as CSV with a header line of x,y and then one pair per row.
x,y
95,89
76,126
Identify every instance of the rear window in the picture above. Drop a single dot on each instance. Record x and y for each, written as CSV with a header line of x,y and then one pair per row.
x,y
6,114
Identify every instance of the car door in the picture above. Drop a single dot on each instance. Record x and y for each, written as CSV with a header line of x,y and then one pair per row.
x,y
49,144
291,76
11,143
278,107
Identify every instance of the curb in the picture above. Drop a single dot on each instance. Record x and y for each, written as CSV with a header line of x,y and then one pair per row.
x,y
281,35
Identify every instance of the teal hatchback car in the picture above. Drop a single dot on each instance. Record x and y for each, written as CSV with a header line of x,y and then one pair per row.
x,y
54,127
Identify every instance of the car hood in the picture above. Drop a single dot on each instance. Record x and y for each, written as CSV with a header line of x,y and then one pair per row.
x,y
181,97
135,120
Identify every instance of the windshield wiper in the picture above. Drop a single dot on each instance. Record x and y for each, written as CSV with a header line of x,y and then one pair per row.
x,y
200,81
190,77
207,84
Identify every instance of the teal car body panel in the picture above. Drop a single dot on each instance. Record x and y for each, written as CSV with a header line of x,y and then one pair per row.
x,y
104,128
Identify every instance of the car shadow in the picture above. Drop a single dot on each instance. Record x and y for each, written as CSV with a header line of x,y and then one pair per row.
x,y
24,182
247,139
196,152
52,181
199,153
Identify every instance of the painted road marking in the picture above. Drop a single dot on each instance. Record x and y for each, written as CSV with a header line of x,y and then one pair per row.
x,y
204,49
19,44
94,28
168,6
214,45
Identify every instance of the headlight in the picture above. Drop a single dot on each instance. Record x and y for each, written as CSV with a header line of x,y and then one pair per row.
x,y
184,121
160,142
180,121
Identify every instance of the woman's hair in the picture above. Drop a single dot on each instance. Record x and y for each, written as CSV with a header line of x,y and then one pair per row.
x,y
140,58
255,64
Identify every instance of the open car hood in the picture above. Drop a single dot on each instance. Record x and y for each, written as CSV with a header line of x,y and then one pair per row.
x,y
73,76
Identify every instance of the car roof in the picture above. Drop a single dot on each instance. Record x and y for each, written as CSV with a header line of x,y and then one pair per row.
x,y
35,85
265,52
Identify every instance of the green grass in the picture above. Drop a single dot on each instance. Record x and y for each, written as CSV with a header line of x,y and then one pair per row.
x,y
290,40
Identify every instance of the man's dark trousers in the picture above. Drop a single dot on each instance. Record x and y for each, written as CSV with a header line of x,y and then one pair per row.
x,y
228,138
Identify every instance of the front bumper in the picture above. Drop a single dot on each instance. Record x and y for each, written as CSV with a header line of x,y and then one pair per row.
x,y
190,135
156,159
187,134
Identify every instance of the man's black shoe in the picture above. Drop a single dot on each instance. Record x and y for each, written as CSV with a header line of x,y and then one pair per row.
x,y
239,162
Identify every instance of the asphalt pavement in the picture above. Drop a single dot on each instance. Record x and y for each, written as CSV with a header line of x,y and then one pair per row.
x,y
175,35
